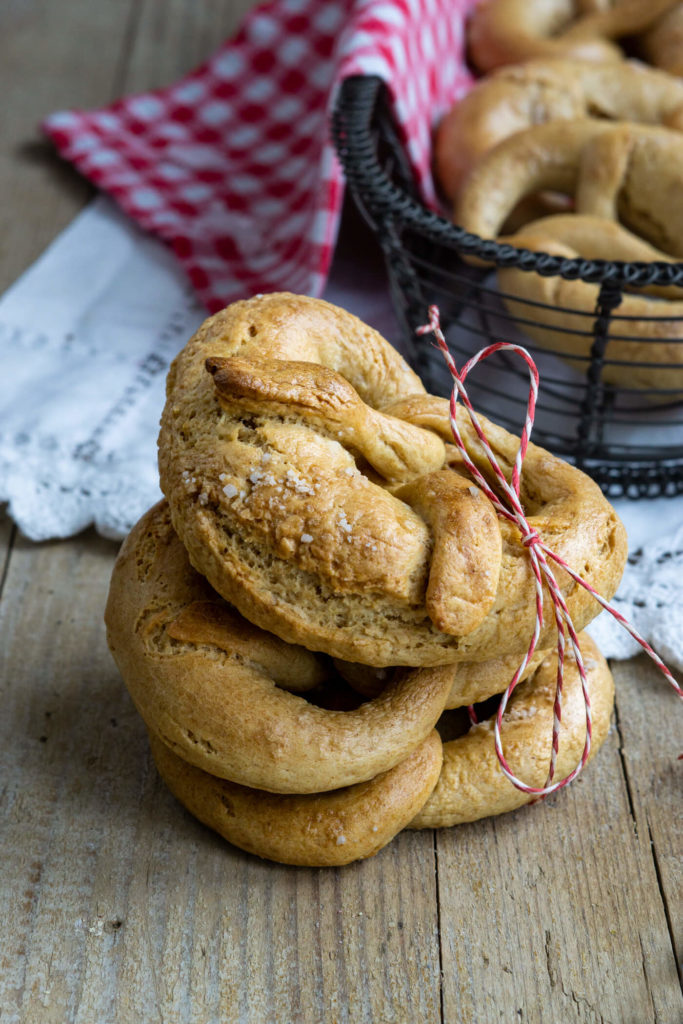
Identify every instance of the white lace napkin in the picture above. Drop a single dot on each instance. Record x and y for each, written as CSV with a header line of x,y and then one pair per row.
x,y
86,337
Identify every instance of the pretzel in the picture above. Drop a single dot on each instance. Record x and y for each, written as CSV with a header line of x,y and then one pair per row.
x,y
285,478
520,96
630,173
473,681
506,31
472,786
559,313
215,689
662,44
316,830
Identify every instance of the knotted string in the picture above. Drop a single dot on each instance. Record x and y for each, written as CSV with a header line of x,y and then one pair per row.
x,y
508,505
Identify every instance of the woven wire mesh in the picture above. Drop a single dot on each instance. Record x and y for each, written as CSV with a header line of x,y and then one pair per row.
x,y
629,437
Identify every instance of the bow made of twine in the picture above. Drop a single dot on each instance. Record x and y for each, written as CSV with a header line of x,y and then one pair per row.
x,y
508,505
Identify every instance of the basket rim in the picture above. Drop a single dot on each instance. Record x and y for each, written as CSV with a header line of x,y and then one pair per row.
x,y
356,102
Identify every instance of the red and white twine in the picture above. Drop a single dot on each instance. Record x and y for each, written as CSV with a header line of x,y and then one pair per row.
x,y
508,505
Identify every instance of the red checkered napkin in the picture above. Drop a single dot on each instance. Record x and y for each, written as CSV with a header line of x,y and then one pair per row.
x,y
233,165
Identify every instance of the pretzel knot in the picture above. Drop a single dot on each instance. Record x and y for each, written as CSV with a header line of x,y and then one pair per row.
x,y
314,483
508,505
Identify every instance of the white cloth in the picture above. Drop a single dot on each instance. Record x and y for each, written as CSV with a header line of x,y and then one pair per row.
x,y
86,337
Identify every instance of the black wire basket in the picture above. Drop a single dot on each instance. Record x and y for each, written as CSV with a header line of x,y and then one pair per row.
x,y
628,438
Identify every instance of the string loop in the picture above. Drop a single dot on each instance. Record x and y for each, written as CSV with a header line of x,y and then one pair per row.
x,y
508,505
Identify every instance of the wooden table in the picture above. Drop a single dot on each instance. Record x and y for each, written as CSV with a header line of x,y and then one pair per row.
x,y
116,906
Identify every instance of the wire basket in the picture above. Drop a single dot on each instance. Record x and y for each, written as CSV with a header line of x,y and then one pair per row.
x,y
628,438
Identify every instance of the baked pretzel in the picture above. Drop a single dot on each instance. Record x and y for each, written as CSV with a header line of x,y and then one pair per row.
x,y
308,494
473,681
215,690
624,172
318,829
507,31
472,786
520,96
662,45
559,313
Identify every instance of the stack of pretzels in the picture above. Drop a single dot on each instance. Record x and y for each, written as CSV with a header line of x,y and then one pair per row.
x,y
324,583
565,147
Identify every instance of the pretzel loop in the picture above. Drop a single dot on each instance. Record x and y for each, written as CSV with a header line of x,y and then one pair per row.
x,y
539,552
309,478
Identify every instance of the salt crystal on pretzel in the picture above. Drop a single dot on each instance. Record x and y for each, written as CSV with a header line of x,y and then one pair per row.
x,y
357,536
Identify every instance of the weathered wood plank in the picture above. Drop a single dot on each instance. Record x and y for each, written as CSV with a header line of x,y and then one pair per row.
x,y
117,905
174,36
7,534
558,916
52,56
649,728
121,906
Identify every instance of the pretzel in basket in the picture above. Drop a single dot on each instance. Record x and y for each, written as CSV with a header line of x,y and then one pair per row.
x,y
646,328
317,829
520,96
216,690
310,496
624,172
662,45
506,31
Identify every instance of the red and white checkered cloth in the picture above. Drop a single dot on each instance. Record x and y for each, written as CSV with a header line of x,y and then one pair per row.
x,y
233,165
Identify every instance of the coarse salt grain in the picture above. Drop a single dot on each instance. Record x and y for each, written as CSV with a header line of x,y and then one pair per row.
x,y
229,490
306,538
344,524
341,840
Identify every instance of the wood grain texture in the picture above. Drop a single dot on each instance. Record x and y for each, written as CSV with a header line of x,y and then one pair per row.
x,y
52,56
122,906
118,907
649,730
562,920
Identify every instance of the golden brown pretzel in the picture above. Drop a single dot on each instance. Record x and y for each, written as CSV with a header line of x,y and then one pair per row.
x,y
212,687
472,785
506,31
519,96
651,329
283,463
318,829
662,45
630,173
473,681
